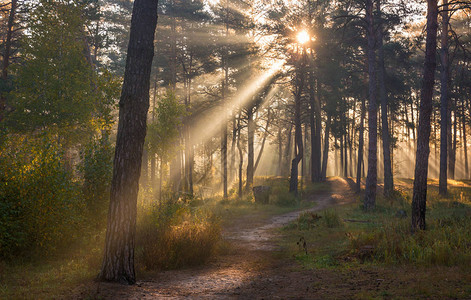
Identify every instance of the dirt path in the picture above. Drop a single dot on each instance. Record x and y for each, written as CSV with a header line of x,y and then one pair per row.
x,y
248,270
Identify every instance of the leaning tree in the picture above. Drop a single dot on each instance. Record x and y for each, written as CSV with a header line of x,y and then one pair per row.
x,y
118,261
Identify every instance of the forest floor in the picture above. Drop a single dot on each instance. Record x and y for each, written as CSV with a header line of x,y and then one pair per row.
x,y
257,264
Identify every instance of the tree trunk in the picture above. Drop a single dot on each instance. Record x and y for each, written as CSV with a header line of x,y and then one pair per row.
x,y
325,155
388,176
250,149
280,153
419,197
465,142
298,134
444,74
360,145
315,122
241,158
371,177
288,152
7,53
118,261
452,162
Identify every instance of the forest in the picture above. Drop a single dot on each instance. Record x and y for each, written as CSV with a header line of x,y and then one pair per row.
x,y
226,149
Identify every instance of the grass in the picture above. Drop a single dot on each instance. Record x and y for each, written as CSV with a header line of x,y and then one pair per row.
x,y
352,241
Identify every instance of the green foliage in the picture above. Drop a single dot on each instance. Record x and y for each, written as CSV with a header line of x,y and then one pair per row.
x,y
331,218
162,133
171,236
39,206
97,169
54,82
56,87
307,220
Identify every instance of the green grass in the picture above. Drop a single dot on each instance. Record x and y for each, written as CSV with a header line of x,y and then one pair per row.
x,y
383,236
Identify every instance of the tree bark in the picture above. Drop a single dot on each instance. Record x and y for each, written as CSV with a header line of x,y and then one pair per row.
x,y
444,74
371,178
325,155
419,197
118,261
7,53
298,134
250,149
315,122
465,142
387,166
360,145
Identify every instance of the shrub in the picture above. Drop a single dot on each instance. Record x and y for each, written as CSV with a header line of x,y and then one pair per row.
x,y
40,208
171,236
331,218
307,220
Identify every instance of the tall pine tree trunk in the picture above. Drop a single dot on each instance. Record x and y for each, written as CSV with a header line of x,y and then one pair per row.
x,y
298,134
444,74
360,145
371,177
325,155
250,148
388,176
7,53
118,261
419,197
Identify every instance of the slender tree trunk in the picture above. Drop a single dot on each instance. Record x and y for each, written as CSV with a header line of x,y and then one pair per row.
x,y
453,145
250,149
371,178
325,155
7,53
465,142
360,145
298,134
315,122
419,197
388,176
442,185
241,158
280,153
288,151
118,261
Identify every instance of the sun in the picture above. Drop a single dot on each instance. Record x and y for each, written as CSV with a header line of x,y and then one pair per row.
x,y
302,37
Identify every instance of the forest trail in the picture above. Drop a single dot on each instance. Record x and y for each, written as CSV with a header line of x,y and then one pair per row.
x,y
248,269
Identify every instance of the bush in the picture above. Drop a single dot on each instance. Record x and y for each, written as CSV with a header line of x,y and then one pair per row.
x,y
331,218
171,236
307,220
39,206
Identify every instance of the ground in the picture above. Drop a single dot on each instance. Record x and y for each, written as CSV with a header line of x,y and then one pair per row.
x,y
254,266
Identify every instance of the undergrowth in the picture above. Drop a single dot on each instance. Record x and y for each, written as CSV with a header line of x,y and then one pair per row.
x,y
173,235
350,235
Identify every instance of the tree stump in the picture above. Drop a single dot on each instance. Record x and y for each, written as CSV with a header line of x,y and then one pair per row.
x,y
261,194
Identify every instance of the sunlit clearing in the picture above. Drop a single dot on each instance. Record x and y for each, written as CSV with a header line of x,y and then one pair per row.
x,y
302,37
